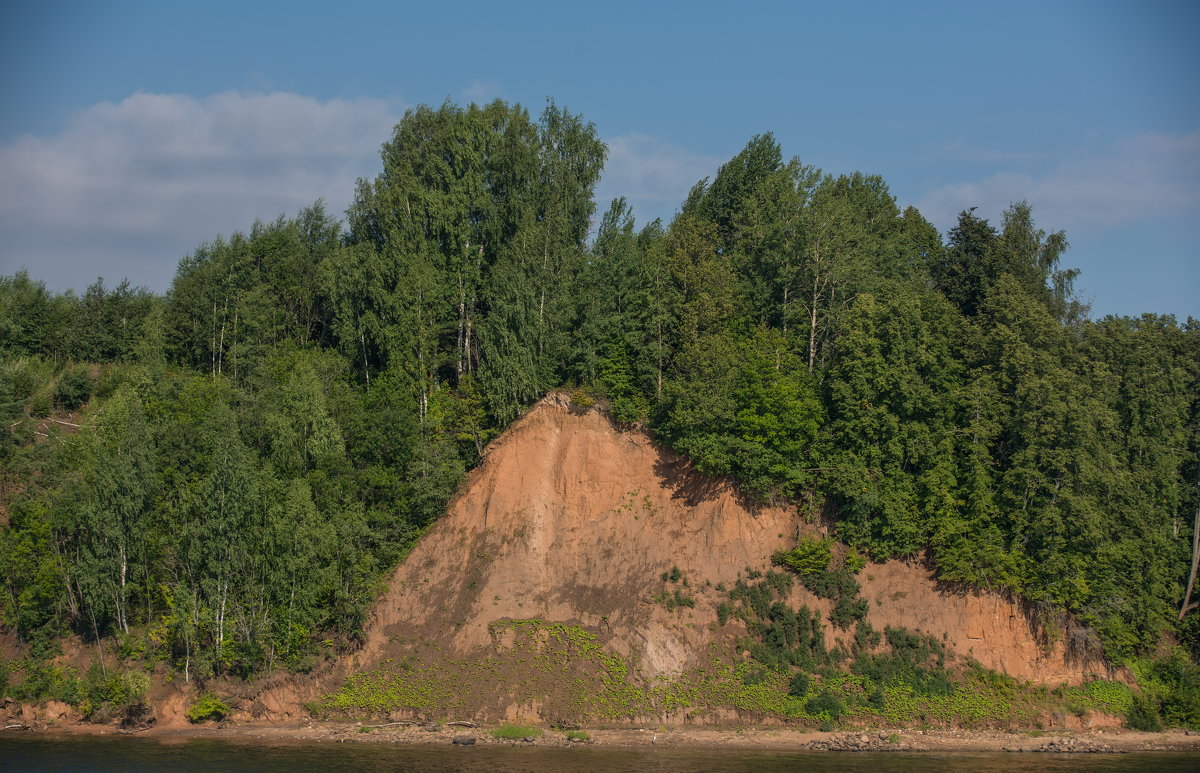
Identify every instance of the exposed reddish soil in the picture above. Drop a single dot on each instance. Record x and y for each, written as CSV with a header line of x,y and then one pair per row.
x,y
569,520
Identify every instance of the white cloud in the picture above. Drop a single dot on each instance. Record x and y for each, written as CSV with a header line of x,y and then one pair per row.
x,y
482,92
166,171
653,175
1147,176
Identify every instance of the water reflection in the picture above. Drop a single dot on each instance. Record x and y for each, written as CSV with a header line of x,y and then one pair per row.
x,y
135,755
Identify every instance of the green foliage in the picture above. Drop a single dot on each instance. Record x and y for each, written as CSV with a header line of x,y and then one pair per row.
x,y
847,611
208,708
1170,691
1143,715
810,556
673,599
35,680
113,694
798,685
73,389
827,706
514,732
267,440
1113,698
578,735
582,398
735,411
913,660
782,637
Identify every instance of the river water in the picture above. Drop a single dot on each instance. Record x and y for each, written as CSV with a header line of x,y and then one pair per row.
x,y
35,754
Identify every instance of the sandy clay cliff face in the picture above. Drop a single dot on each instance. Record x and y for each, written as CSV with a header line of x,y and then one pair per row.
x,y
542,586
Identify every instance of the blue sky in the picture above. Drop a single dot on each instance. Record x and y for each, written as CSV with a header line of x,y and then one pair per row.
x,y
134,131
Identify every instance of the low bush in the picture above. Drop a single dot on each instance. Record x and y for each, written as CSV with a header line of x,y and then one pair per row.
x,y
1143,715
113,695
516,732
827,706
73,389
811,555
1181,700
209,707
798,686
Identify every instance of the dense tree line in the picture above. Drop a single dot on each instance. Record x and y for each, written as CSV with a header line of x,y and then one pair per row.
x,y
258,447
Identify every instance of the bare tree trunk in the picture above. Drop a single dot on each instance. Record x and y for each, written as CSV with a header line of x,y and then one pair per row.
x,y
659,354
1188,605
462,312
362,340
233,344
121,619
812,334
212,346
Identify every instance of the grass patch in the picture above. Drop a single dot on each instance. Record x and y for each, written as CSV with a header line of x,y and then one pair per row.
x,y
516,732
578,735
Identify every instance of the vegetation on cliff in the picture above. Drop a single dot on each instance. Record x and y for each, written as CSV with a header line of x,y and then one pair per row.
x,y
246,456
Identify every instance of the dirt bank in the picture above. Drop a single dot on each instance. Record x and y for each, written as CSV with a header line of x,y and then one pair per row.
x,y
750,737
572,522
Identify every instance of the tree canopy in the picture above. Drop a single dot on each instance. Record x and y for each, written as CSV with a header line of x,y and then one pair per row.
x,y
249,453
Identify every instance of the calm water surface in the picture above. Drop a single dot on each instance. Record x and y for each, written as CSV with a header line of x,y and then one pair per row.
x,y
134,755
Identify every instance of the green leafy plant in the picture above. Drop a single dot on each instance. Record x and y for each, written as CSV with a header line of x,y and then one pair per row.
x,y
73,389
798,685
811,555
827,706
209,707
514,732
1143,715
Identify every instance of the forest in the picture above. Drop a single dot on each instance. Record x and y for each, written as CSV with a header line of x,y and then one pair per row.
x,y
221,476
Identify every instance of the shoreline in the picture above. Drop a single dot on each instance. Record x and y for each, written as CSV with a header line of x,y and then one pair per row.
x,y
874,740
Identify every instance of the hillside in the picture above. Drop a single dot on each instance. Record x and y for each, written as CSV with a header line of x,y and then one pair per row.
x,y
217,485
535,596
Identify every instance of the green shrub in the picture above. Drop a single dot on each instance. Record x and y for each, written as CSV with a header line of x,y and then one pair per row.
x,y
516,732
108,694
39,406
209,707
1143,715
798,686
865,636
848,611
673,600
826,705
811,554
73,389
582,398
914,660
854,561
782,637
1181,698
755,677
42,680
578,735
831,584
